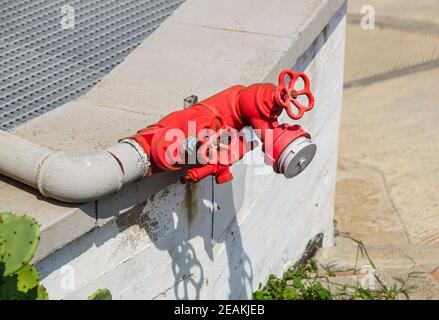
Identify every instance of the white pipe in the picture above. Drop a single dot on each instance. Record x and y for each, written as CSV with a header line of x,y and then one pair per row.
x,y
74,179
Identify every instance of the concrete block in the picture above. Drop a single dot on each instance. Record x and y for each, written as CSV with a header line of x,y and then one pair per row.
x,y
278,18
145,83
60,223
79,127
164,244
154,244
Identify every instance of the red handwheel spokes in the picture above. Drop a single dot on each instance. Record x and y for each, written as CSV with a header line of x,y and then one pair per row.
x,y
287,94
224,147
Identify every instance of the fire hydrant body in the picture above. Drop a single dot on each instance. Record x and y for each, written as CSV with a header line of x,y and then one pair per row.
x,y
206,138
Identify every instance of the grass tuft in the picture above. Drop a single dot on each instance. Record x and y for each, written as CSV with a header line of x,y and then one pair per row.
x,y
313,282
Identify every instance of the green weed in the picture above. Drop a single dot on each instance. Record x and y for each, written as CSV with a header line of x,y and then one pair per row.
x,y
313,282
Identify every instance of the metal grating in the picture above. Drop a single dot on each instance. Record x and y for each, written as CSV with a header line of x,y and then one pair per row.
x,y
43,65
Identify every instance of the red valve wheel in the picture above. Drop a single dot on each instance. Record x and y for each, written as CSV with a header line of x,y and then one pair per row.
x,y
287,94
216,151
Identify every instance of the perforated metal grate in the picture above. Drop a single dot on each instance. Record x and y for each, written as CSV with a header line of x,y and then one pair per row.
x,y
45,63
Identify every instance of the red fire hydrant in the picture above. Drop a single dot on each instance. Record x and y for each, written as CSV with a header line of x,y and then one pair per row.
x,y
206,138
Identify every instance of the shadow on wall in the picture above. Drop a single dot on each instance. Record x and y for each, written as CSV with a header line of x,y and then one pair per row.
x,y
171,229
240,277
174,219
202,221
237,280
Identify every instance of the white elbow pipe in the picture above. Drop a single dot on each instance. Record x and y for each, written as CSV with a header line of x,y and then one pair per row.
x,y
68,178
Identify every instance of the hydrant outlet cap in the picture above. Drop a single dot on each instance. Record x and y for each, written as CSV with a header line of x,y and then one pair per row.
x,y
296,157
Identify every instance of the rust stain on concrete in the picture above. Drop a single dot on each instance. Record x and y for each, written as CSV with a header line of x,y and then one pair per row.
x,y
138,216
134,216
190,203
152,215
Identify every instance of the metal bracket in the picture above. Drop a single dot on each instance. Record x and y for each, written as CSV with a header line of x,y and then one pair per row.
x,y
190,101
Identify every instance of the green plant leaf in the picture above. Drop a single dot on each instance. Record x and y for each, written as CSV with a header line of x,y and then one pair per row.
x,y
400,280
324,294
101,294
289,294
4,216
21,237
42,293
313,265
27,278
22,285
289,275
304,282
2,248
298,282
8,288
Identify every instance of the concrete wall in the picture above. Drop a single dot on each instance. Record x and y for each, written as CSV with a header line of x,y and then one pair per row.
x,y
209,241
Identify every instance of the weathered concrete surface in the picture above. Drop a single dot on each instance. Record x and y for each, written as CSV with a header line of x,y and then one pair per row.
x,y
388,178
388,50
390,128
159,246
242,48
406,11
139,92
363,205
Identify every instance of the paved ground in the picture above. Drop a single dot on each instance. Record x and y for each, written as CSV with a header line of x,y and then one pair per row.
x,y
388,178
